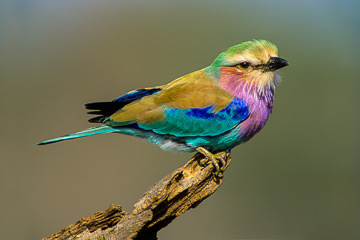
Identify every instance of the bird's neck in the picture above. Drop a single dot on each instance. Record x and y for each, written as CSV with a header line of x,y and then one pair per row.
x,y
240,86
249,93
260,100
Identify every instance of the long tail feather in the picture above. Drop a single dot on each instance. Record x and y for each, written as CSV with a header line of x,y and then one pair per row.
x,y
84,133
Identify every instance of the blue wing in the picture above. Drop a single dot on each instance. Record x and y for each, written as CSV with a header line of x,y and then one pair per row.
x,y
200,121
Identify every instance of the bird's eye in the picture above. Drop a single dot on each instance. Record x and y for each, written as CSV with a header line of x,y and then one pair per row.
x,y
243,65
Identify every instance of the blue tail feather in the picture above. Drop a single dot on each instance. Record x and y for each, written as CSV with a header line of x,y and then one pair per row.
x,y
83,133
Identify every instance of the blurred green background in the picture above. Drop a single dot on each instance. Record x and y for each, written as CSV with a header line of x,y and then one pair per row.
x,y
297,179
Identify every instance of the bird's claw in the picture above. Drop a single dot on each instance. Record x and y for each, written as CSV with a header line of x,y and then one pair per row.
x,y
223,162
214,160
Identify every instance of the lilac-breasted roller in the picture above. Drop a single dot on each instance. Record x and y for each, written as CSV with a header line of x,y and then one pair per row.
x,y
210,110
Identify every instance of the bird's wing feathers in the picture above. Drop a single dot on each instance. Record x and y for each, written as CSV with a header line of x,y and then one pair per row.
x,y
189,106
199,121
106,109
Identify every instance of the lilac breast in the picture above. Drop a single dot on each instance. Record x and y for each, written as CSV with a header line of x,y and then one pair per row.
x,y
260,107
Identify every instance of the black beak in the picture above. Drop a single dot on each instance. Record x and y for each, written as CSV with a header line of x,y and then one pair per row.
x,y
276,63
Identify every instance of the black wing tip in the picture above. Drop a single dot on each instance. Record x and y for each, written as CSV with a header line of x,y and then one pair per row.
x,y
99,119
95,112
95,105
104,109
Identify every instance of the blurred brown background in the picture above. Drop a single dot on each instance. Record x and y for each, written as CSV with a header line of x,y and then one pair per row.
x,y
297,179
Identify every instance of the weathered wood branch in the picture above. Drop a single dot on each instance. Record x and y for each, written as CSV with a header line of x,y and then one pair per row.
x,y
181,190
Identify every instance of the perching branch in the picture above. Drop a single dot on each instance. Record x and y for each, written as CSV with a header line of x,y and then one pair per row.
x,y
181,190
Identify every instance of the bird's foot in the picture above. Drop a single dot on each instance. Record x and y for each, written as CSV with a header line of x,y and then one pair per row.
x,y
214,160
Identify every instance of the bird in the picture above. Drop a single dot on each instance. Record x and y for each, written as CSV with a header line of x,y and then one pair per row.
x,y
210,110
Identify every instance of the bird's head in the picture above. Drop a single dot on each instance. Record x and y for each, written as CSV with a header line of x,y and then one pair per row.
x,y
249,65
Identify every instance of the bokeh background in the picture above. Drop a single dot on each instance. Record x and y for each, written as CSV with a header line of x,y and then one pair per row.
x,y
297,179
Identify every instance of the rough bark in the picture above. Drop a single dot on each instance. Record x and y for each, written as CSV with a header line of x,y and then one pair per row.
x,y
176,193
